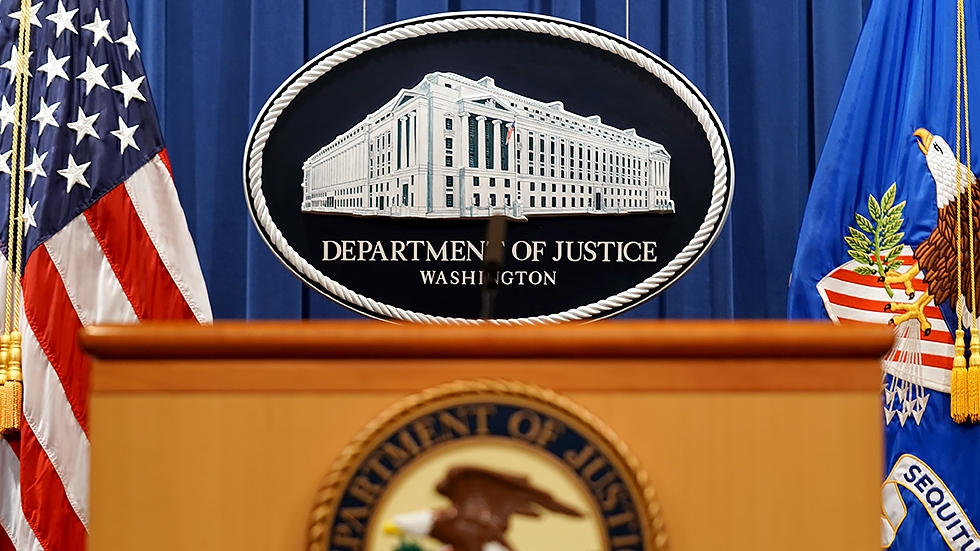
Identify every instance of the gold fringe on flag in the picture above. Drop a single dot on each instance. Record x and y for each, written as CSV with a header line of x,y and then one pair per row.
x,y
14,387
3,390
974,374
959,395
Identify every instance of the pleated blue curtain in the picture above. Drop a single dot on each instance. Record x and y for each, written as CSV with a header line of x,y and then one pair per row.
x,y
772,69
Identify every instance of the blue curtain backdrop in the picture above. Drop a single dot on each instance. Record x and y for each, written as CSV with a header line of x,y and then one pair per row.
x,y
772,69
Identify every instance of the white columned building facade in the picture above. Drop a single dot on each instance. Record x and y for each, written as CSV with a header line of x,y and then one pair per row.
x,y
452,147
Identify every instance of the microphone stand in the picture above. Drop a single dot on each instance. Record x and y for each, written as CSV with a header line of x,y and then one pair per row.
x,y
493,262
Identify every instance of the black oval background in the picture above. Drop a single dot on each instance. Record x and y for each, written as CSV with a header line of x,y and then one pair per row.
x,y
588,80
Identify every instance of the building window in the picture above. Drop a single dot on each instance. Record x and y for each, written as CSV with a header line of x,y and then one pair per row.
x,y
493,182
563,201
543,201
504,149
449,182
493,199
449,123
472,138
488,143
554,189
449,160
532,186
449,199
553,200
532,201
476,181
449,143
506,182
507,199
398,156
476,199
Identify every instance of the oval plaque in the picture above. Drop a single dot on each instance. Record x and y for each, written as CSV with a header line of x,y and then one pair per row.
x,y
374,171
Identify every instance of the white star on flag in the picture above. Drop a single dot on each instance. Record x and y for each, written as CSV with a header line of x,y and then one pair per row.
x,y
13,64
28,215
130,42
5,162
93,75
99,28
84,126
7,115
125,135
33,14
36,168
75,174
55,67
130,89
62,19
45,116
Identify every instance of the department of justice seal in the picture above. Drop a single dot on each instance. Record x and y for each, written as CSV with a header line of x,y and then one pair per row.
x,y
373,171
486,466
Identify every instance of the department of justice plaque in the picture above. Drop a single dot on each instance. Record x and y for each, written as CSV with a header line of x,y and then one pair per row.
x,y
375,170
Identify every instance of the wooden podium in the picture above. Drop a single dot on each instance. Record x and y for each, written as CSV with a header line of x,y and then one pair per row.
x,y
756,435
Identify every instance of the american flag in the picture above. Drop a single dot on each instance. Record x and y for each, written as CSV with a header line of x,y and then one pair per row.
x,y
105,242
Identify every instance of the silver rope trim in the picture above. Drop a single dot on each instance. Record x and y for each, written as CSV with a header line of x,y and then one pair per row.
x,y
702,111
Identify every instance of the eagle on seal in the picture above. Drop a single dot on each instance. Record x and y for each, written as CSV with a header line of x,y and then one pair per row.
x,y
936,257
482,502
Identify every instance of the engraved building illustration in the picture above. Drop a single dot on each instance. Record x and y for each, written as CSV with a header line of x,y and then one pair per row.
x,y
452,147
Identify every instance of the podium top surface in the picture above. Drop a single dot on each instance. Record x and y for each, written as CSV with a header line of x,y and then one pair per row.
x,y
370,339
370,356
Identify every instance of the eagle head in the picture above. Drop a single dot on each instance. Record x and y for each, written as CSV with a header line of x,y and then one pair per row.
x,y
416,523
941,161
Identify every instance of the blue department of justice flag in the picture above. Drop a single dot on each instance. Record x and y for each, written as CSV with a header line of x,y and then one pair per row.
x,y
869,251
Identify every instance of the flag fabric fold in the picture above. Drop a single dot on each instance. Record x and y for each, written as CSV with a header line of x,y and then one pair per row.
x,y
104,241
903,78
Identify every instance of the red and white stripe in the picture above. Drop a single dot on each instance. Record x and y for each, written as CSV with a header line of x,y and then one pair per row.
x,y
129,258
851,298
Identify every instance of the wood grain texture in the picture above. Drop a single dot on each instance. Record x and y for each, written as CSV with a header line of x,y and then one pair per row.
x,y
372,339
408,375
743,471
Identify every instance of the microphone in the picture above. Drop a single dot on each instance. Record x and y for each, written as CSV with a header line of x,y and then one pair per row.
x,y
493,262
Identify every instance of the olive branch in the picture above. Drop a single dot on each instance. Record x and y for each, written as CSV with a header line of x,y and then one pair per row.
x,y
878,251
408,545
